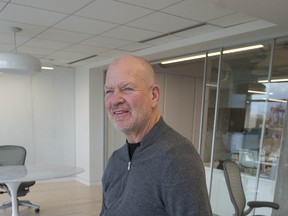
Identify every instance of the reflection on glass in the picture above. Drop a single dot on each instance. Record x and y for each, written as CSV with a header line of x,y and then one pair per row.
x,y
276,108
242,108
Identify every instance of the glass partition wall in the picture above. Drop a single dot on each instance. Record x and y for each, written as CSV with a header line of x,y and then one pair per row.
x,y
244,103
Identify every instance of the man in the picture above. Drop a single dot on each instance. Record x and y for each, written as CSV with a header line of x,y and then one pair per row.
x,y
157,172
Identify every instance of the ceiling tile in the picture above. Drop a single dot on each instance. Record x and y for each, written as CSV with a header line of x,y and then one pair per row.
x,y
6,39
2,4
30,15
135,47
230,20
130,33
88,26
91,50
105,42
27,30
47,62
112,11
84,25
67,56
152,4
47,44
65,36
55,5
198,31
57,61
9,40
197,10
161,22
6,47
114,53
34,51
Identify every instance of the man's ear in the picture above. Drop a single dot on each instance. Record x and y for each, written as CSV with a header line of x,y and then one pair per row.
x,y
155,93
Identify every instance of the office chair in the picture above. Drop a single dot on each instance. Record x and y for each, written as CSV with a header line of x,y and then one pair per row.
x,y
15,155
236,192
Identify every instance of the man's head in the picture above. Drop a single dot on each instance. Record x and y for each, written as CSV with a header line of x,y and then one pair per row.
x,y
132,95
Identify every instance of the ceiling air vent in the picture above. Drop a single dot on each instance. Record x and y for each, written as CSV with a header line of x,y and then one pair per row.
x,y
173,32
83,59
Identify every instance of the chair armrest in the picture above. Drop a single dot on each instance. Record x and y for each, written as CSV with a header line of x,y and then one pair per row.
x,y
3,188
259,204
24,188
26,184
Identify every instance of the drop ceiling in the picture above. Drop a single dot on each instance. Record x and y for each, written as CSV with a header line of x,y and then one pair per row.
x,y
77,32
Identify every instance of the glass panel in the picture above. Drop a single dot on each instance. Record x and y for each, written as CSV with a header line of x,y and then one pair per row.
x,y
240,120
277,89
278,94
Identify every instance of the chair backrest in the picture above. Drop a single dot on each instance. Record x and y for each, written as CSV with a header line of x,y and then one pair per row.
x,y
235,187
12,155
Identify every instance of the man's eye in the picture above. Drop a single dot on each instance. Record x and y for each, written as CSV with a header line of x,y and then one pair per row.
x,y
127,89
108,91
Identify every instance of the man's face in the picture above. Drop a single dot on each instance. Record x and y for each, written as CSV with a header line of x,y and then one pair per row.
x,y
128,99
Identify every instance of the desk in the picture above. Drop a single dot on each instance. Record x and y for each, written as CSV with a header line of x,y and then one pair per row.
x,y
12,176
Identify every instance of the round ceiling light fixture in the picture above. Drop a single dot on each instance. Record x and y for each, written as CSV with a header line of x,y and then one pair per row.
x,y
18,63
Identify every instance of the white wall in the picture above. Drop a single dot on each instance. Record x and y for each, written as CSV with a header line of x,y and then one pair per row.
x,y
89,87
38,113
58,116
16,116
82,122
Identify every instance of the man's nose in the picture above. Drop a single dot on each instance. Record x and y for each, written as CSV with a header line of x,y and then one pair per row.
x,y
117,97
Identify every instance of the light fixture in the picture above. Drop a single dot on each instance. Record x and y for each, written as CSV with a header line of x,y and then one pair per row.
x,y
182,59
17,63
277,100
188,58
47,65
274,80
47,68
256,92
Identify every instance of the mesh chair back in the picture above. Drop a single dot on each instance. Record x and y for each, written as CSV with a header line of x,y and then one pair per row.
x,y
12,155
235,188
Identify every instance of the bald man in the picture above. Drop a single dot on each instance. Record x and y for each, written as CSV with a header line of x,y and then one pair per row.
x,y
157,172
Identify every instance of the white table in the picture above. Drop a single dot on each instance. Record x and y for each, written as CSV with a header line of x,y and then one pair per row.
x,y
12,176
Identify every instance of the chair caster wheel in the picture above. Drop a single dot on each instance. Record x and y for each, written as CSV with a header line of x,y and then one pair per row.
x,y
37,210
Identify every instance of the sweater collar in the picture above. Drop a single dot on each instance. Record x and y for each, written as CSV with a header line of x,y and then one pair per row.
x,y
155,132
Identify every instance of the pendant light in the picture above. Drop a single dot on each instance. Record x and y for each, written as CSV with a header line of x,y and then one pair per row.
x,y
17,63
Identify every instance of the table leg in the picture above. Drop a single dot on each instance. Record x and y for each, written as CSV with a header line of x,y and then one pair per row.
x,y
13,188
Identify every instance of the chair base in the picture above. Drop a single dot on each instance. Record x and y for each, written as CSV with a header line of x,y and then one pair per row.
x,y
26,203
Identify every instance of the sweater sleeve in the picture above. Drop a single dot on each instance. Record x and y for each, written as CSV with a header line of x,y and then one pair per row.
x,y
183,185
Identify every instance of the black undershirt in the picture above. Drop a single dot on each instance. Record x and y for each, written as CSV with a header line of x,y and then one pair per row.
x,y
132,147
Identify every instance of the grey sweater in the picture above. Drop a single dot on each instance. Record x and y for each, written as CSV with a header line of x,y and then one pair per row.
x,y
165,177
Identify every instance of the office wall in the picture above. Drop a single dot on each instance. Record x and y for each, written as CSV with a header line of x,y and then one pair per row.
x,y
181,97
16,117
39,113
89,115
182,105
